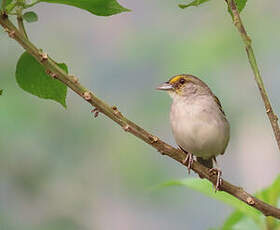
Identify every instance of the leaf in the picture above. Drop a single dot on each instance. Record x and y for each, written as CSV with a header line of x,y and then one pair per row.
x,y
97,7
1,92
32,78
270,194
206,188
245,223
193,3
9,5
232,220
30,16
6,3
240,4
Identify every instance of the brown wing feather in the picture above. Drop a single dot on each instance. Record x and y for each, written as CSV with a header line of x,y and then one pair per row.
x,y
219,104
221,109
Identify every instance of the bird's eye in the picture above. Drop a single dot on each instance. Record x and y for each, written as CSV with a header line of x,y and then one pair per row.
x,y
182,81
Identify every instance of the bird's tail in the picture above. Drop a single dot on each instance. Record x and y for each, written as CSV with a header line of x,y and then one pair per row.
x,y
207,163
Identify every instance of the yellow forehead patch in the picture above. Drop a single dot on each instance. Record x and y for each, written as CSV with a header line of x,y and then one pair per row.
x,y
175,79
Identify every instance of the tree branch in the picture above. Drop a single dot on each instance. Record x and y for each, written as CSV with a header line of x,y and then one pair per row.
x,y
113,113
251,56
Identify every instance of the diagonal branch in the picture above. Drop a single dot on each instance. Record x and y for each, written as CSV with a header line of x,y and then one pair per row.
x,y
127,125
252,59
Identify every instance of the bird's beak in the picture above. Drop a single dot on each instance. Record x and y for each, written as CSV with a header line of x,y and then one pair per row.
x,y
165,86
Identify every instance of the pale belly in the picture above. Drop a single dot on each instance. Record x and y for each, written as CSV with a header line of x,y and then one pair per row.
x,y
198,130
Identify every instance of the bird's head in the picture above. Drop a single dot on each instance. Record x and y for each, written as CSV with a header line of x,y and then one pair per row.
x,y
184,85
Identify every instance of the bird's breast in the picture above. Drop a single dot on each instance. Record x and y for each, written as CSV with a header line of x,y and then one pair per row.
x,y
199,127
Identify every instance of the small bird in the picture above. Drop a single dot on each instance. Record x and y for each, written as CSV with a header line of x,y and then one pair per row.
x,y
198,122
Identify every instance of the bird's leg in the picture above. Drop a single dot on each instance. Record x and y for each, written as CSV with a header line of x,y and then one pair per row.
x,y
95,111
189,160
218,172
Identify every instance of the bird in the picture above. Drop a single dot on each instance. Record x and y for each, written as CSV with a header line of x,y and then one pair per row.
x,y
198,121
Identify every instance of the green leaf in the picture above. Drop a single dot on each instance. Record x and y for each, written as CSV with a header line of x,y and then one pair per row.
x,y
31,77
240,4
30,16
97,7
245,223
270,194
193,3
6,3
206,188
1,91
232,220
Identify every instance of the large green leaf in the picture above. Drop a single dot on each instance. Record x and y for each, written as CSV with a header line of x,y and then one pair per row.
x,y
232,220
193,3
270,194
32,77
97,7
206,188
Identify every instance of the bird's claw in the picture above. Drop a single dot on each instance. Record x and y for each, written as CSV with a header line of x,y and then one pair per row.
x,y
218,173
189,160
95,111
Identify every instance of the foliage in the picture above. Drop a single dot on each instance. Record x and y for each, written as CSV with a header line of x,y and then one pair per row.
x,y
30,16
97,7
239,3
243,213
30,75
6,3
32,78
193,3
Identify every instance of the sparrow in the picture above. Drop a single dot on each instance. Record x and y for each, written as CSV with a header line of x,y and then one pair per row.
x,y
198,122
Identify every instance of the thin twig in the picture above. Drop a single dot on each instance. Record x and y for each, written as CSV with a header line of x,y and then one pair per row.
x,y
113,113
251,56
21,24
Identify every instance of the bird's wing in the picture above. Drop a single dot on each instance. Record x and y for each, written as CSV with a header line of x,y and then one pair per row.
x,y
219,103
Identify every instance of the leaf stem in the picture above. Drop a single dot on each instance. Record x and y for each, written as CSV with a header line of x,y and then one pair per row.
x,y
252,59
21,24
127,125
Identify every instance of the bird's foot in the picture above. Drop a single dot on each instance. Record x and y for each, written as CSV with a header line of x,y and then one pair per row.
x,y
218,173
189,161
95,112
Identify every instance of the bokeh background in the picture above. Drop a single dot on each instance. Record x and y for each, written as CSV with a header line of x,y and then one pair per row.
x,y
64,170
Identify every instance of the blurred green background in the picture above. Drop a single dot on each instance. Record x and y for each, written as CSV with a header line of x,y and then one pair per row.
x,y
64,170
